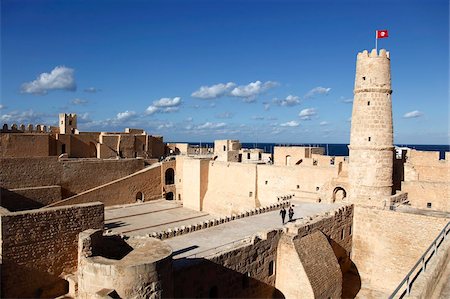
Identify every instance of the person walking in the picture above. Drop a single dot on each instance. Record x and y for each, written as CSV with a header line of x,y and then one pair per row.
x,y
291,213
283,214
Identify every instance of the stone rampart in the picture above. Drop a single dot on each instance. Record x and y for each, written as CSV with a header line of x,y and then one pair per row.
x,y
143,185
40,246
74,176
29,197
14,128
387,244
178,231
251,270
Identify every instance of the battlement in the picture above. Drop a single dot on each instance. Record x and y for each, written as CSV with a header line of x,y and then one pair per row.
x,y
374,54
14,128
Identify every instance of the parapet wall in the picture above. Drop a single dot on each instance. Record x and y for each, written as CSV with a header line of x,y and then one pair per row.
x,y
40,246
14,128
74,176
251,270
387,244
125,190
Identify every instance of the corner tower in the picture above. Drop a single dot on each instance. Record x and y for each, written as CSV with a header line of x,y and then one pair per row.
x,y
371,147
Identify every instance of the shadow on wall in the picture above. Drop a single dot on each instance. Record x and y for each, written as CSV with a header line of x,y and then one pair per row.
x,y
201,278
44,285
17,202
351,281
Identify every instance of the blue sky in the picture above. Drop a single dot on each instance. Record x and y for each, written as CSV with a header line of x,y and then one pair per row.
x,y
266,71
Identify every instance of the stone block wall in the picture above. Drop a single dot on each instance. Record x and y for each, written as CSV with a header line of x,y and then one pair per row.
x,y
251,270
125,190
25,145
387,244
29,198
40,246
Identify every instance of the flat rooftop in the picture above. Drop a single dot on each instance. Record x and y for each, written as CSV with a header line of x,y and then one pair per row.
x,y
160,215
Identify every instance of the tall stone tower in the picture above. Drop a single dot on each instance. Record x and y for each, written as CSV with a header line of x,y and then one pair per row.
x,y
67,123
371,139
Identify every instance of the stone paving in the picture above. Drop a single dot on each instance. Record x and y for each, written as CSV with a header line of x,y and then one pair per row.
x,y
237,232
139,219
145,218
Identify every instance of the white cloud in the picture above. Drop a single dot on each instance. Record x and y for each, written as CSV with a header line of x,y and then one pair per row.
x,y
60,77
2,106
78,101
126,115
290,100
291,123
252,89
266,106
317,91
151,110
413,114
210,125
24,117
84,117
92,90
324,123
214,91
167,102
308,113
164,105
190,118
165,126
346,101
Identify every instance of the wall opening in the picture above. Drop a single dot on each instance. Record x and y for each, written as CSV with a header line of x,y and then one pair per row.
x,y
250,194
214,292
429,205
170,176
63,149
368,103
271,268
339,194
369,138
248,156
224,148
245,280
169,196
288,160
139,197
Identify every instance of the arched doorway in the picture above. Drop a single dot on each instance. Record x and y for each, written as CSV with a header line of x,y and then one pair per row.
x,y
339,194
288,160
139,197
170,176
169,196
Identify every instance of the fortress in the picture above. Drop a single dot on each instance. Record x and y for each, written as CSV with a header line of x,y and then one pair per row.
x,y
124,215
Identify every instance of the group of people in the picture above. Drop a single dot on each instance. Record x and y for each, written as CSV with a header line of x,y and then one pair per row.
x,y
290,213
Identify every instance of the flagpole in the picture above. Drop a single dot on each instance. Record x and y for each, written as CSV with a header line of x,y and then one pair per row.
x,y
376,40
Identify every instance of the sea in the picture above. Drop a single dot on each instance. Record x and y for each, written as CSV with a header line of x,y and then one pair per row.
x,y
335,149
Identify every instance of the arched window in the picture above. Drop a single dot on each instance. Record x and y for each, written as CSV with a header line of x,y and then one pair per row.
x,y
139,197
288,160
170,176
339,194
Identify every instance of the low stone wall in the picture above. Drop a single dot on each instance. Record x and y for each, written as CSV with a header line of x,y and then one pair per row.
x,y
39,246
251,270
178,231
387,244
29,198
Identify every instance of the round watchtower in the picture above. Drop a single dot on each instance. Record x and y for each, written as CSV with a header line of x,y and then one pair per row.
x,y
371,139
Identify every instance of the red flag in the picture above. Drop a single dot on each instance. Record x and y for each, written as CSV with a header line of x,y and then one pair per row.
x,y
382,33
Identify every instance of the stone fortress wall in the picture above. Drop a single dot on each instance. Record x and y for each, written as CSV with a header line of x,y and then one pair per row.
x,y
39,247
